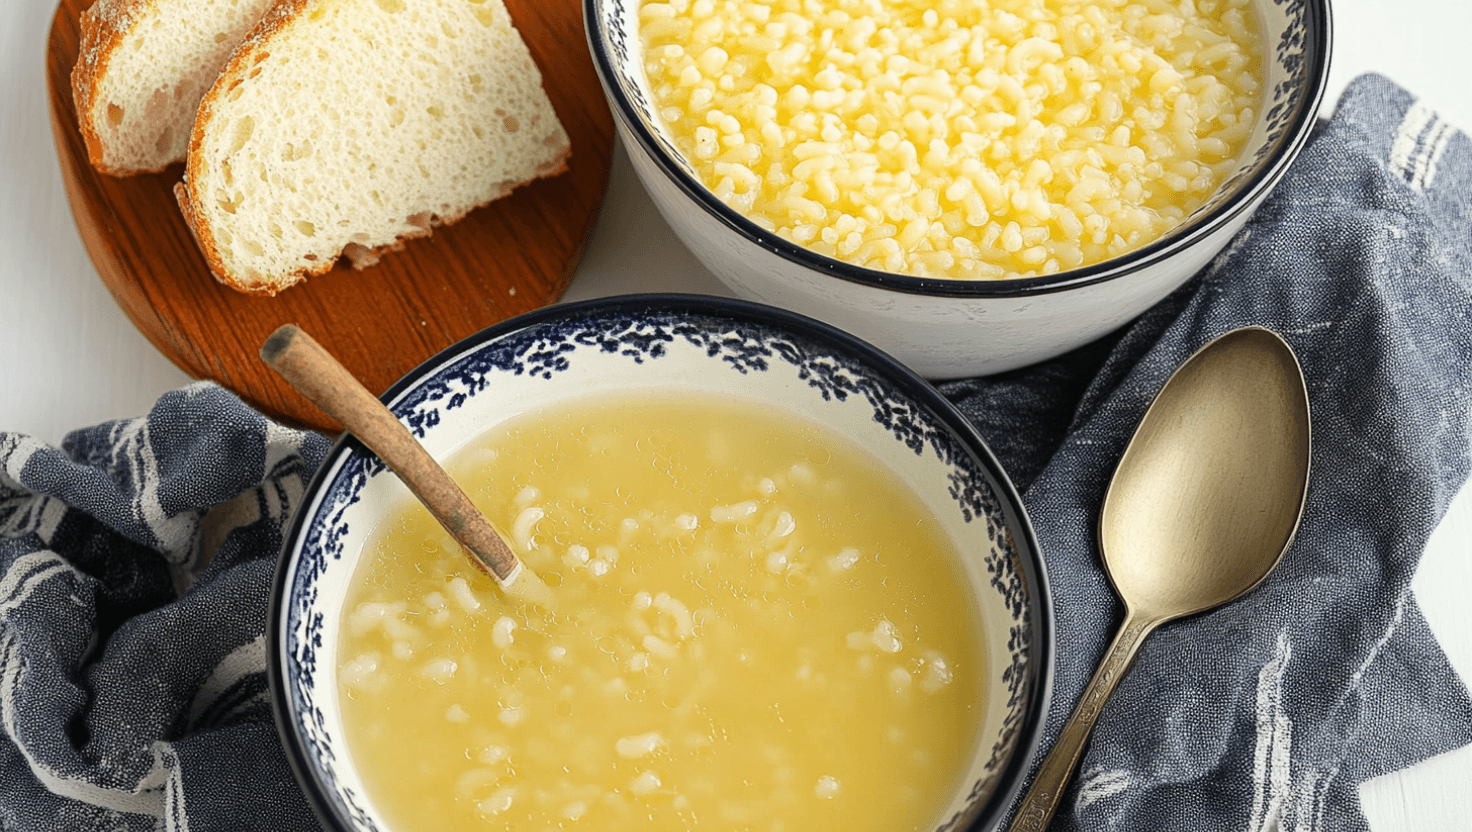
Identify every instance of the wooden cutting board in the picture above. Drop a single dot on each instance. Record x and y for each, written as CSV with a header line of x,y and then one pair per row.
x,y
512,256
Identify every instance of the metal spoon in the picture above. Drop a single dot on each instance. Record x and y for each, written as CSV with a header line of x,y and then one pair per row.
x,y
1202,506
316,374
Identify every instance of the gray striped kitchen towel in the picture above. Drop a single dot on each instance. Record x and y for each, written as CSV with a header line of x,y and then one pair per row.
x,y
135,563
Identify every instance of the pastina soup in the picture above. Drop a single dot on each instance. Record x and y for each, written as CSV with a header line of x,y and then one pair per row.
x,y
757,627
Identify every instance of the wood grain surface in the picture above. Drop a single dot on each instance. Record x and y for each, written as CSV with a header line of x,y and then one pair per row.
x,y
512,256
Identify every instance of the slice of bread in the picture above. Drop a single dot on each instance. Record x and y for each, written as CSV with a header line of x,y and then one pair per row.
x,y
347,126
142,67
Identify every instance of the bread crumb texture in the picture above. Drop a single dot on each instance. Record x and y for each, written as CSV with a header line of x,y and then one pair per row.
x,y
142,68
355,124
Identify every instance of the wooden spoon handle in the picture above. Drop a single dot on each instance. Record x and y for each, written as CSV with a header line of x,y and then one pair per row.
x,y
1047,787
312,370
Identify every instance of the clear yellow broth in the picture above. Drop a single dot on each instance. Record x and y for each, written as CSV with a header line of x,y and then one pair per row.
x,y
757,628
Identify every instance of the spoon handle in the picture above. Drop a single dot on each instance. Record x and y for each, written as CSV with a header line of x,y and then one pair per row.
x,y
319,376
1047,787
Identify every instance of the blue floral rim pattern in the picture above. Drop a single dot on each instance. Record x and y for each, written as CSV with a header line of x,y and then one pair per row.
x,y
741,337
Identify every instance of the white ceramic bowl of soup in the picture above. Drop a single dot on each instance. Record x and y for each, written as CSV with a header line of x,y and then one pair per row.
x,y
762,365
949,328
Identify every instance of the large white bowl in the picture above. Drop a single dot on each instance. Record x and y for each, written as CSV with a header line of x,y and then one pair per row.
x,y
659,343
952,328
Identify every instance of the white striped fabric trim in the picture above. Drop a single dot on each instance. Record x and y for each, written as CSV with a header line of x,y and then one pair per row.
x,y
175,535
1374,652
1271,757
1278,802
1437,143
1310,814
1099,783
30,513
214,527
281,444
35,514
175,810
241,662
147,799
1403,146
27,573
1419,142
15,451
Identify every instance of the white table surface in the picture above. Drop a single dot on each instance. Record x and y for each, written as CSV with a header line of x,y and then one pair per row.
x,y
70,358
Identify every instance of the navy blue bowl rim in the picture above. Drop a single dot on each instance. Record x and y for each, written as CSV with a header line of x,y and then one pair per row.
x,y
1317,44
1034,571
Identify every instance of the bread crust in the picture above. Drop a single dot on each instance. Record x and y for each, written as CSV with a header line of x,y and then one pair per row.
x,y
233,73
103,26
276,20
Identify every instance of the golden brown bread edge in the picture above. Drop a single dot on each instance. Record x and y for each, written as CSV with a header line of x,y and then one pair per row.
x,y
102,27
234,73
231,75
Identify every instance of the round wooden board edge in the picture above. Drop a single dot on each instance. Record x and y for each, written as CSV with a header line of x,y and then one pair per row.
x,y
276,400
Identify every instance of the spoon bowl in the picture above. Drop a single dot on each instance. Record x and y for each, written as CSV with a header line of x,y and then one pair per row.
x,y
1206,499
1208,493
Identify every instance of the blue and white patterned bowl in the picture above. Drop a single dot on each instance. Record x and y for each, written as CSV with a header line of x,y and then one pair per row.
x,y
668,343
958,328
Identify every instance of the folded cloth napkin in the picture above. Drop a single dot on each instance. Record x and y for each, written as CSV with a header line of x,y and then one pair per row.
x,y
135,560
135,566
